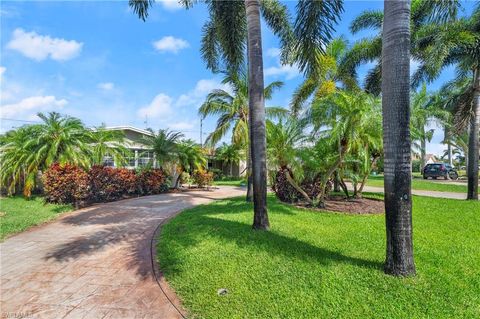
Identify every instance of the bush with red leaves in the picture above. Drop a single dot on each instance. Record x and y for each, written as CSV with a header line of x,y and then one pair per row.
x,y
202,178
65,184
109,184
287,193
151,181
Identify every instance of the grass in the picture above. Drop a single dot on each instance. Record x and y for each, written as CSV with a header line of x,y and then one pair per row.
x,y
321,265
422,184
18,214
231,182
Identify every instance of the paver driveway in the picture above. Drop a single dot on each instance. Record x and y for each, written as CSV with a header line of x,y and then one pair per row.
x,y
95,262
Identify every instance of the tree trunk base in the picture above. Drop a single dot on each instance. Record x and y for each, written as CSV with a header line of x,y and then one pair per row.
x,y
399,270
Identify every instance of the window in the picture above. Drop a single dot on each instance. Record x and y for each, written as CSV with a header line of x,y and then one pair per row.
x,y
145,158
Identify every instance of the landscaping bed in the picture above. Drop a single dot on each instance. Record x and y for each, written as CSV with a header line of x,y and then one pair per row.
x,y
320,265
340,204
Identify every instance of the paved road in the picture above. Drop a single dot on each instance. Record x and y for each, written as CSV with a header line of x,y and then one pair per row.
x,y
95,262
421,193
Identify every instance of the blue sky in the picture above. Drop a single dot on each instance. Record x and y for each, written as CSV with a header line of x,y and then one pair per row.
x,y
97,61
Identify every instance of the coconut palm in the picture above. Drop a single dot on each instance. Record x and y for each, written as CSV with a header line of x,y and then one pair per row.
x,y
369,50
457,44
232,110
395,89
107,143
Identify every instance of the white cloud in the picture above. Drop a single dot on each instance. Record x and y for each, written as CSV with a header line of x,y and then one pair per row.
x,y
107,86
170,5
31,105
182,125
160,106
170,44
414,64
288,71
40,47
202,88
2,70
273,52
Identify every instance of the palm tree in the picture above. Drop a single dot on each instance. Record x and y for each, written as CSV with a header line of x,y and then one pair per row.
x,y
424,110
229,154
369,50
327,77
189,156
224,36
457,44
396,137
164,145
107,143
32,149
284,144
232,110
341,121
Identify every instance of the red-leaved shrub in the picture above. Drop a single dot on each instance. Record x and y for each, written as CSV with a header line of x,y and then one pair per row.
x,y
108,183
65,184
151,181
202,178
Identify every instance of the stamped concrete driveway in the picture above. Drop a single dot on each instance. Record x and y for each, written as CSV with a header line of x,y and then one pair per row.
x,y
95,262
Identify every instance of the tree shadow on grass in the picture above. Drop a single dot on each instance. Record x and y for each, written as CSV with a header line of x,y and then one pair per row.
x,y
193,226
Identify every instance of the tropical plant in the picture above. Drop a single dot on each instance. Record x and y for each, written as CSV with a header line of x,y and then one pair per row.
x,y
424,111
326,77
32,149
105,143
369,50
337,122
457,43
233,114
164,145
228,154
224,36
189,157
395,87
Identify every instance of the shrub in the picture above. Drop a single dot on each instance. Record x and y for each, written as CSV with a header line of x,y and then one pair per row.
x,y
416,166
65,184
151,181
217,174
202,178
108,183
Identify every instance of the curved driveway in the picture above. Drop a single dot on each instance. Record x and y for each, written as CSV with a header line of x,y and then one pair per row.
x,y
95,262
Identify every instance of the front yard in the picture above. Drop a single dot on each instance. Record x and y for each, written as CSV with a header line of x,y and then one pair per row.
x,y
321,265
419,183
18,214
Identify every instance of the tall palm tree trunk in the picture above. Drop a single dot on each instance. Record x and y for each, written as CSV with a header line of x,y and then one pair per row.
x,y
396,137
256,103
249,196
473,147
423,151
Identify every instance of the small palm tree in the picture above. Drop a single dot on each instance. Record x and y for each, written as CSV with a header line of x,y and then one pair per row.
x,y
232,110
164,145
228,154
107,143
189,156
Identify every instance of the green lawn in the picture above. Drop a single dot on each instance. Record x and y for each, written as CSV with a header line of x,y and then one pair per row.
x,y
233,182
18,214
422,184
321,265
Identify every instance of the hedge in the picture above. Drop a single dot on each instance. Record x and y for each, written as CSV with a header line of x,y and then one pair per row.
x,y
68,184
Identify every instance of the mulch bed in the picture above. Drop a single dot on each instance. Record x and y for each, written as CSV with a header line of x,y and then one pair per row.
x,y
351,206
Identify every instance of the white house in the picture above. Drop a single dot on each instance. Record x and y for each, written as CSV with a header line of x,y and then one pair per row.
x,y
141,155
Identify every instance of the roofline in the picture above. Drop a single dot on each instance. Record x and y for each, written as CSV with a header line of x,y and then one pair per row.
x,y
131,128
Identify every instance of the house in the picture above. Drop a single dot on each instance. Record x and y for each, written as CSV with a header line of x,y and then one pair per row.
x,y
141,155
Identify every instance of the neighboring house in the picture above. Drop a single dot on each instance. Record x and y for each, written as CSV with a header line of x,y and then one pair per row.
x,y
431,158
140,155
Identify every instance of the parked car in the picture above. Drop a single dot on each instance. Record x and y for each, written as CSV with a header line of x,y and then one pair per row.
x,y
440,170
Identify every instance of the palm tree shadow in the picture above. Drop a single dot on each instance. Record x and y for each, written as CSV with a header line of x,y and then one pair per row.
x,y
210,223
